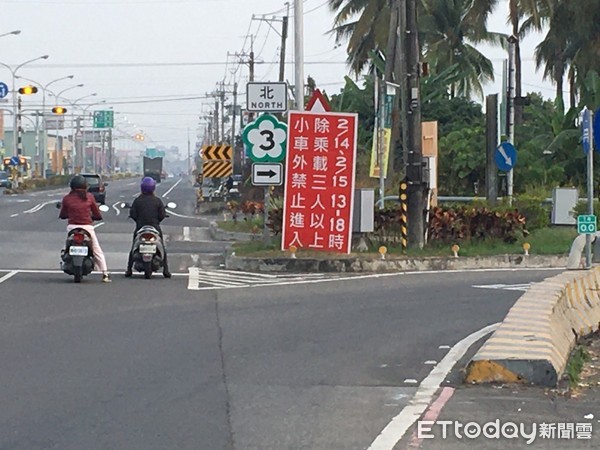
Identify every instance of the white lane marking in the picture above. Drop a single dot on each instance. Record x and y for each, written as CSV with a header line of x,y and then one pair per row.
x,y
410,381
507,287
444,347
399,425
172,187
50,271
181,215
131,184
7,276
186,234
99,225
14,215
430,363
241,272
36,208
114,206
193,278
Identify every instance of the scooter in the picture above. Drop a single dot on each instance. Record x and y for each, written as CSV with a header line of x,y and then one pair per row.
x,y
77,258
148,248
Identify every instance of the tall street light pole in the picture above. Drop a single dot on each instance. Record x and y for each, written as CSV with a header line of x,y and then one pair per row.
x,y
83,115
44,88
59,163
75,152
14,91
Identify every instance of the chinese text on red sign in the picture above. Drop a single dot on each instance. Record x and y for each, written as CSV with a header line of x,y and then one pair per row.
x,y
319,185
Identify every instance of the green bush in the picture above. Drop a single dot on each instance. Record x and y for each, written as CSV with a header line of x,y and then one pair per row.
x,y
536,211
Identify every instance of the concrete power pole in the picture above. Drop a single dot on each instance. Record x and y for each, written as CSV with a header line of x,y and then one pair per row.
x,y
491,118
414,170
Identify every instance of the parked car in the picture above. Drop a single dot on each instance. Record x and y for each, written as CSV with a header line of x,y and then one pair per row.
x,y
4,180
96,186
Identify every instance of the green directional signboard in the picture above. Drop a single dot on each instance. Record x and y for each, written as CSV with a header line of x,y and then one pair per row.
x,y
103,119
586,224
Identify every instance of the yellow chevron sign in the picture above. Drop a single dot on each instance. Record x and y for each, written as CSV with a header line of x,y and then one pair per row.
x,y
217,169
217,152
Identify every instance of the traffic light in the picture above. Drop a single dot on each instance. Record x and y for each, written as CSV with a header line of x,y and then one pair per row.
x,y
139,137
59,110
28,90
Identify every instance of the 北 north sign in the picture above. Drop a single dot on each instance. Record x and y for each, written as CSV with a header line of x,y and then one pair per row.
x,y
266,97
319,181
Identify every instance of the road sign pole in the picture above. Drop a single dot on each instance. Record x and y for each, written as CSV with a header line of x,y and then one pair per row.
x,y
590,193
266,231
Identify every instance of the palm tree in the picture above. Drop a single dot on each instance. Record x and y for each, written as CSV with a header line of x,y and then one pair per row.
x,y
449,29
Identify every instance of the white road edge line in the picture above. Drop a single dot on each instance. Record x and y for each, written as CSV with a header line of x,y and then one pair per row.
x,y
172,187
8,276
181,215
14,215
98,225
399,425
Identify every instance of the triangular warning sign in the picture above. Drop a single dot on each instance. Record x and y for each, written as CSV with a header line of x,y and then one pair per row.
x,y
318,102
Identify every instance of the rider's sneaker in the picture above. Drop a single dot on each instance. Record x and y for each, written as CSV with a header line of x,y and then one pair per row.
x,y
167,274
128,273
106,278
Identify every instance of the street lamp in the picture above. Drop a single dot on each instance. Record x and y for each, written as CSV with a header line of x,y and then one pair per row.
x,y
44,88
57,96
14,91
10,32
73,104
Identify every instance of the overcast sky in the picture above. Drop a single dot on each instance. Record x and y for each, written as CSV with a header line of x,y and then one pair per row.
x,y
135,54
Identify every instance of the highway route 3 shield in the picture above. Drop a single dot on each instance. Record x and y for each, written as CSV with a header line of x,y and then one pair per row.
x,y
267,174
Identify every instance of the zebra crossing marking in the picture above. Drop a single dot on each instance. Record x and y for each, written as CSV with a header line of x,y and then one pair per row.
x,y
231,279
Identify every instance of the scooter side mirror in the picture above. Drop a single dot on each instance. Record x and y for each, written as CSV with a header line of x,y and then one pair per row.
x,y
171,205
104,208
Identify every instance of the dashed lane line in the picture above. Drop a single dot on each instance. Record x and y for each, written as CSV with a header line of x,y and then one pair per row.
x,y
172,187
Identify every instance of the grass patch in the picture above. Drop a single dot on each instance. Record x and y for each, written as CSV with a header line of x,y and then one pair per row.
x,y
243,226
575,365
545,241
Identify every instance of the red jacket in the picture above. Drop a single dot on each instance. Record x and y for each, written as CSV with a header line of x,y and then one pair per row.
x,y
79,211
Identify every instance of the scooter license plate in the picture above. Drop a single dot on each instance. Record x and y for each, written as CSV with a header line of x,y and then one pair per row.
x,y
78,250
147,248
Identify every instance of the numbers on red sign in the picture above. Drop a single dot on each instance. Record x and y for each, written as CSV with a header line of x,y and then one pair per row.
x,y
340,181
338,201
338,224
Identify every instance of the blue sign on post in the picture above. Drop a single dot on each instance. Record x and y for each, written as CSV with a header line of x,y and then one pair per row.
x,y
3,90
14,161
505,156
586,130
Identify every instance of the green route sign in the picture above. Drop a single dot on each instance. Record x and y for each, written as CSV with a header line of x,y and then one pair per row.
x,y
103,119
586,224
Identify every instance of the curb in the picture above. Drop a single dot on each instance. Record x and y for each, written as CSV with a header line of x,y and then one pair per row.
x,y
358,264
219,234
535,340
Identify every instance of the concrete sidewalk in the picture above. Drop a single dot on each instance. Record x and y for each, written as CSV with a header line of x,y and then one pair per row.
x,y
574,423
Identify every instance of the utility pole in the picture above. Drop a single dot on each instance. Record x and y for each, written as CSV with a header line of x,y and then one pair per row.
x,y
234,111
216,125
299,53
222,98
416,184
284,35
491,118
512,41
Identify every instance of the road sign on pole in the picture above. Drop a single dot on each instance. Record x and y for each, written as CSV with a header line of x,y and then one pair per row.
x,y
3,90
264,174
319,181
265,139
103,119
505,156
586,224
317,102
586,130
266,97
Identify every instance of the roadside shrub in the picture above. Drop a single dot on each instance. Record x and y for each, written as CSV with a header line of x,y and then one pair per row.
x,y
536,211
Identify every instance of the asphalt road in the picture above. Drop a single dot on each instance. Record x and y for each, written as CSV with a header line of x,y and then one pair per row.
x,y
324,362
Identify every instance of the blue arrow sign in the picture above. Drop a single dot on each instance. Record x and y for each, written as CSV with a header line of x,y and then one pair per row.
x,y
14,161
3,90
586,130
505,156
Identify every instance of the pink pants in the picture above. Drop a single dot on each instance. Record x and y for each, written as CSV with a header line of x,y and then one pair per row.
x,y
99,260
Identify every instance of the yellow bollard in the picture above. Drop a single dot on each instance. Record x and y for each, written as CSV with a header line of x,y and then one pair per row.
x,y
455,249
382,251
293,249
526,247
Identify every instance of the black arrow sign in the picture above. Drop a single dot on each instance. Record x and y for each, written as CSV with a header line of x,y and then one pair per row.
x,y
269,174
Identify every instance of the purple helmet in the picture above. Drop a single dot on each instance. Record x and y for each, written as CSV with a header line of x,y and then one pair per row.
x,y
148,185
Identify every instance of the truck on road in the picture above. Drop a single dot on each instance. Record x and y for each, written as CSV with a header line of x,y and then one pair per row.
x,y
153,168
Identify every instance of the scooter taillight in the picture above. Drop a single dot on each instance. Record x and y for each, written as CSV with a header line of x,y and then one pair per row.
x,y
148,237
78,238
